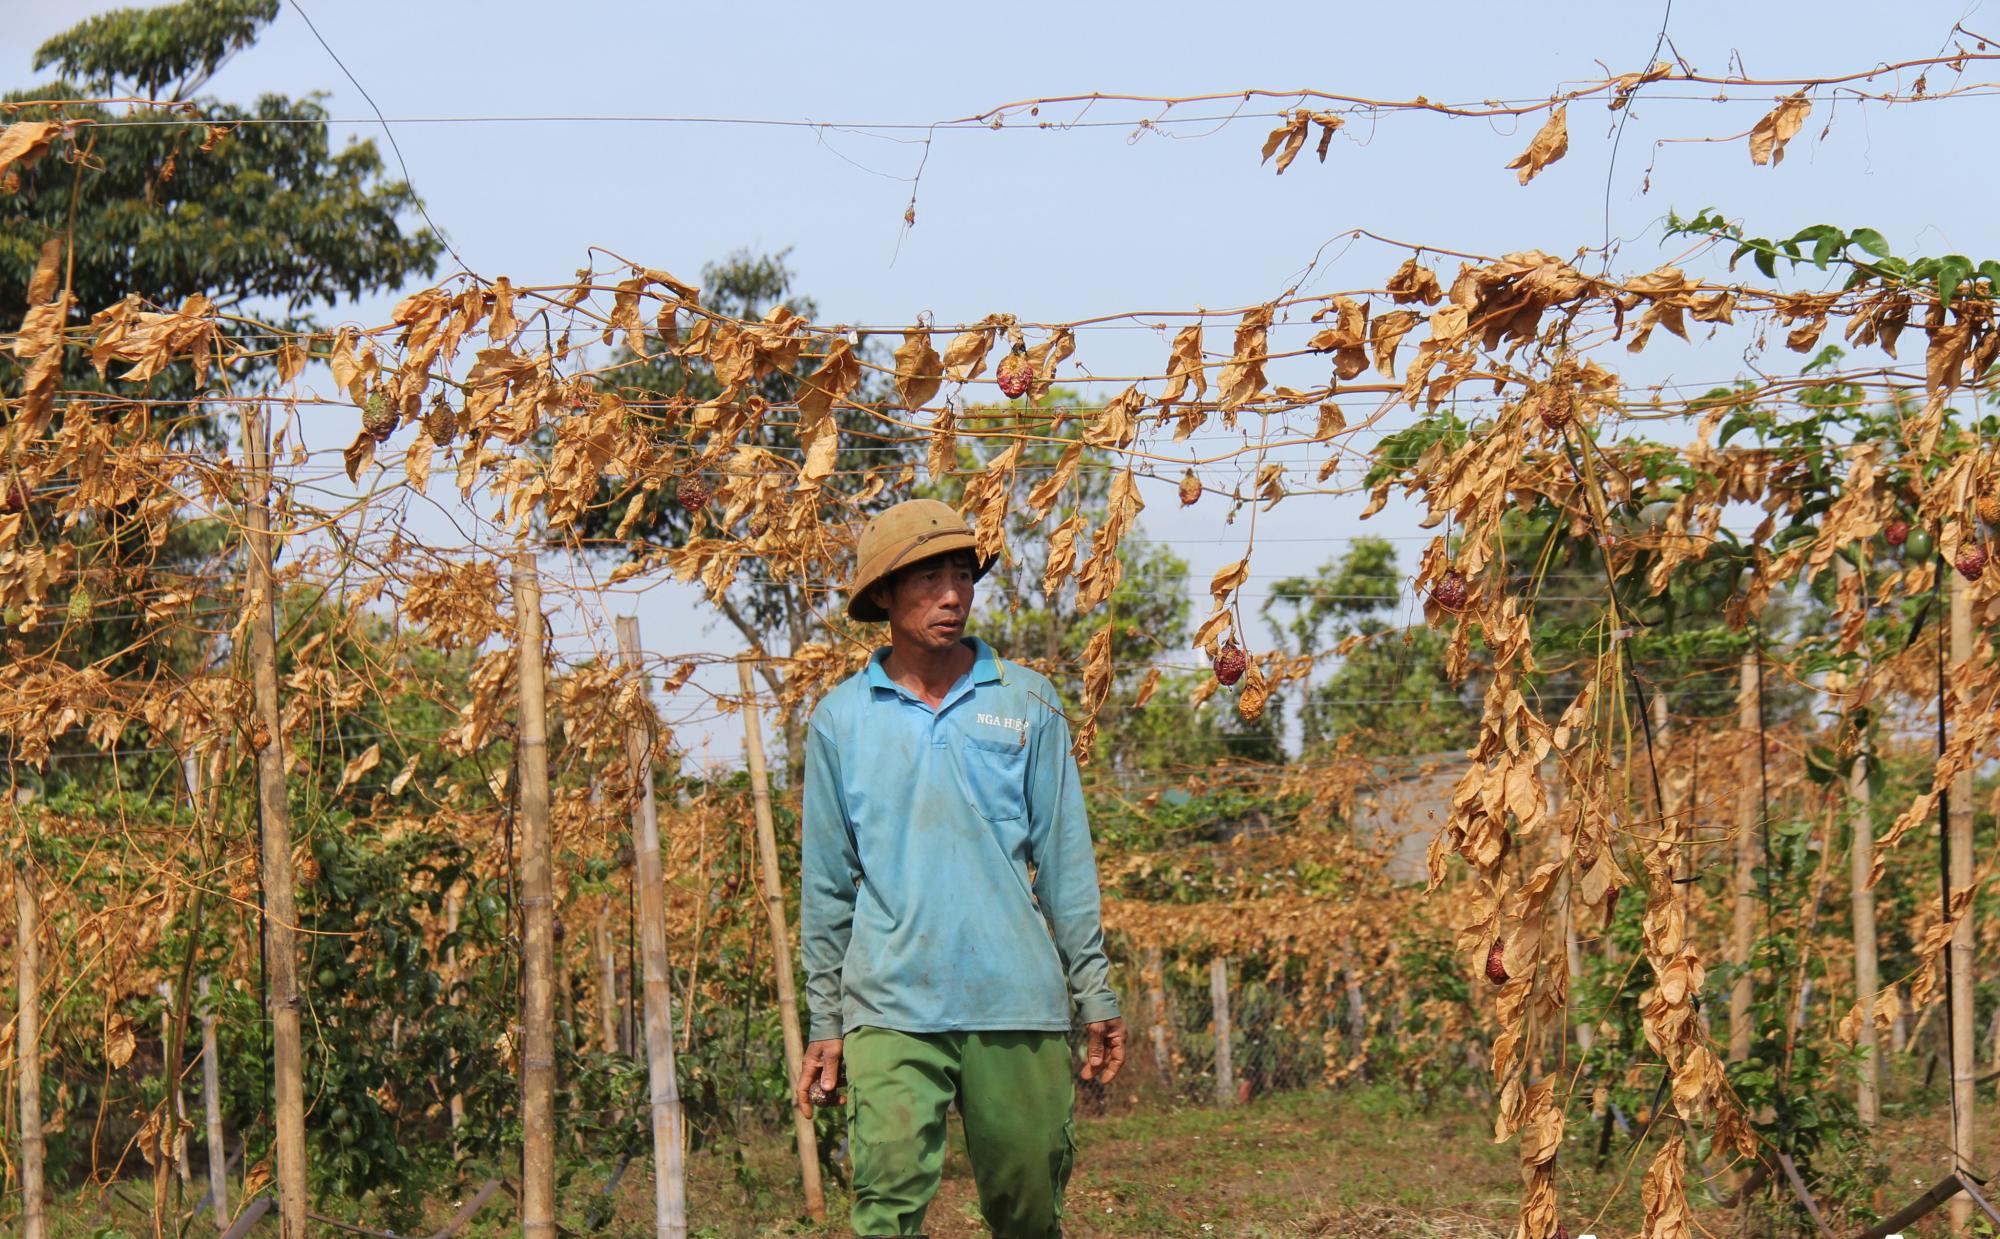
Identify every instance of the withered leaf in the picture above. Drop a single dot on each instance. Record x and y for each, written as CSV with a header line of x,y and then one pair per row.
x,y
1288,139
1184,368
1049,354
369,758
1252,693
1291,136
1414,282
1768,137
501,325
919,371
1116,424
837,374
403,776
1146,688
357,455
965,356
24,141
1550,143
119,1041
1386,335
291,360
673,284
1228,579
1242,378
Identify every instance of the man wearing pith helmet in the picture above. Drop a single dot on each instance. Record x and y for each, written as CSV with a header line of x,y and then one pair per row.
x,y
950,905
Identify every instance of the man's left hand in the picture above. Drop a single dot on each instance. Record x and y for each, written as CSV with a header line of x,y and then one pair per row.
x,y
1104,1051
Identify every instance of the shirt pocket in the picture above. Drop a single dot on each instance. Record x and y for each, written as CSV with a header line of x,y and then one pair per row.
x,y
996,777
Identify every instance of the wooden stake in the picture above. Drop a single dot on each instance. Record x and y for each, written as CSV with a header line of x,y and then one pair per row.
x,y
1162,1029
1861,905
454,903
28,1040
274,812
538,1048
781,950
1218,1001
1749,805
170,1076
1964,1052
607,980
211,1104
669,1172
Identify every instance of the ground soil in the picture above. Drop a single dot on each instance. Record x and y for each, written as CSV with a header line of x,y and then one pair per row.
x,y
1361,1162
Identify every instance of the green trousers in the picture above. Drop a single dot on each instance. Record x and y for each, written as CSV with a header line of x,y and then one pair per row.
x,y
1013,1091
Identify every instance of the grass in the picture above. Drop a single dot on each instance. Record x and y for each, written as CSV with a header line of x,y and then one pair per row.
x,y
1309,1165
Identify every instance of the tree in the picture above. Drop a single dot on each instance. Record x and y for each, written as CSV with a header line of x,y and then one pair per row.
x,y
1387,688
1147,611
778,616
264,219
1305,613
161,206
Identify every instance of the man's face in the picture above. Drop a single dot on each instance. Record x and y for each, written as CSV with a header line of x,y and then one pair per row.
x,y
928,602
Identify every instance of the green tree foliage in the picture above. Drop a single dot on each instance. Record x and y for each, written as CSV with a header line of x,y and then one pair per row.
x,y
1388,688
257,215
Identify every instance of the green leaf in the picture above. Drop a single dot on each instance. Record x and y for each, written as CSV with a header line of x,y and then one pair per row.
x,y
1767,262
1870,240
1953,270
1828,247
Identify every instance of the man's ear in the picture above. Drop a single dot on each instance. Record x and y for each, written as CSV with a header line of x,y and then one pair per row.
x,y
883,592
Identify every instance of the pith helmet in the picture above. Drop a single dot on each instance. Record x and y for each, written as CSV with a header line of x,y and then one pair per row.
x,y
910,532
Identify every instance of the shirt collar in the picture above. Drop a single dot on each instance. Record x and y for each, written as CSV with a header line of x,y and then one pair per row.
x,y
985,666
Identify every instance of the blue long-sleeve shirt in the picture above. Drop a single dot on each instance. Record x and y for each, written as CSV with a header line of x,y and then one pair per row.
x,y
948,877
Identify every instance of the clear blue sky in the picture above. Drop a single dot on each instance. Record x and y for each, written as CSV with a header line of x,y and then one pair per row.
x,y
1056,226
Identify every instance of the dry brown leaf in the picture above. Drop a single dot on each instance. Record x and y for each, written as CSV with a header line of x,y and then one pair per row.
x,y
1550,143
501,325
1184,367
919,370
1242,378
370,758
1146,688
119,1041
1768,137
24,141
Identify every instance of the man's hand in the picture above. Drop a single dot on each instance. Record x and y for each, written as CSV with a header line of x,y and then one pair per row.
x,y
1105,1051
819,1080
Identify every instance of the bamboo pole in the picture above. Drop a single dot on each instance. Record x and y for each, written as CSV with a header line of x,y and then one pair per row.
x,y
1743,919
274,814
28,1045
781,951
1218,1000
538,1048
211,1104
1963,1049
669,1170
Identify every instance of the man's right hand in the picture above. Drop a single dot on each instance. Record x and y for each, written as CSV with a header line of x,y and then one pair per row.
x,y
819,1080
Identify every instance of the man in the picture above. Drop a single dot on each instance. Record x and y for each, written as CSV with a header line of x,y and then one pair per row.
x,y
950,904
